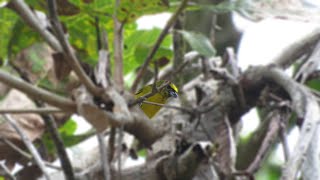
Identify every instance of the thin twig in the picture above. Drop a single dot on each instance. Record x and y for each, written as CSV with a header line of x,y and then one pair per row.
x,y
119,151
156,71
155,47
169,72
98,34
284,141
35,110
31,19
26,154
57,140
273,131
29,145
38,93
104,157
309,66
111,143
7,171
16,148
189,111
68,51
118,48
153,92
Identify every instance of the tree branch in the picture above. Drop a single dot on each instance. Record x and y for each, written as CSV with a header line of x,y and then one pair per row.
x,y
7,174
30,18
68,51
304,104
57,140
38,93
155,47
118,48
36,110
298,48
268,140
104,157
29,145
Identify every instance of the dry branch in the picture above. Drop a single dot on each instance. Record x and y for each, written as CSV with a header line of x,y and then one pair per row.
x,y
68,51
29,145
289,55
303,103
38,93
30,18
153,51
35,110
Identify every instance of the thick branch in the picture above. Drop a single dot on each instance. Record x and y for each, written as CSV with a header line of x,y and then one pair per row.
x,y
37,93
298,48
304,104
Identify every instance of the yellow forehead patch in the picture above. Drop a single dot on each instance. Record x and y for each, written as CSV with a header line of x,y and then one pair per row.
x,y
173,87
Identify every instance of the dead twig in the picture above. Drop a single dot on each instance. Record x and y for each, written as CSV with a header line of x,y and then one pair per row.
x,y
36,110
38,93
153,92
118,48
155,47
182,109
31,19
68,51
268,140
26,154
57,140
29,145
284,141
8,174
104,157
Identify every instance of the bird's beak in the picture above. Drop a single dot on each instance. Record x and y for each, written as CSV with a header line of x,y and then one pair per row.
x,y
173,94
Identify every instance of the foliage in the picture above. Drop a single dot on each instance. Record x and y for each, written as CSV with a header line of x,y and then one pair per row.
x,y
199,43
67,132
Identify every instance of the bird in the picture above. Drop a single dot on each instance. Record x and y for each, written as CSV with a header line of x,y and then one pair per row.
x,y
160,97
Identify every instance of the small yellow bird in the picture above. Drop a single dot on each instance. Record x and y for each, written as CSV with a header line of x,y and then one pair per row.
x,y
161,97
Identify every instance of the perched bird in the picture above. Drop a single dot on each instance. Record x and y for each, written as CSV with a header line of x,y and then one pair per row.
x,y
160,97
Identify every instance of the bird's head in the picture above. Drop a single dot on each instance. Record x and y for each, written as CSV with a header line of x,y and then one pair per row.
x,y
170,90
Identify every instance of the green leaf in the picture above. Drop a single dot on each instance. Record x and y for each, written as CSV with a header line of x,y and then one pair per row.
x,y
142,51
3,2
69,127
128,10
67,134
7,20
138,44
314,84
83,36
21,37
199,43
142,153
269,171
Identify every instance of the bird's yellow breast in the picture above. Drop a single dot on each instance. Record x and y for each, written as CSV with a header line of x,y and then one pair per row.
x,y
159,98
149,109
